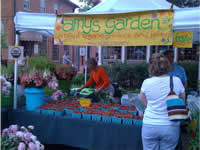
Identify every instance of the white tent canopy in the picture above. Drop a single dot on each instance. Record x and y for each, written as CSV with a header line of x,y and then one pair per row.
x,y
131,6
184,19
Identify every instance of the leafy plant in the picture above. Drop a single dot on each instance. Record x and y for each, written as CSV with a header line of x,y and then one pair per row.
x,y
193,131
191,69
80,79
41,63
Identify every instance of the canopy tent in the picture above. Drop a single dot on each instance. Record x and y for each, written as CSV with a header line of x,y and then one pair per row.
x,y
130,6
184,19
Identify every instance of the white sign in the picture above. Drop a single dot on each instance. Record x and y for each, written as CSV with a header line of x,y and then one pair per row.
x,y
36,51
16,52
82,51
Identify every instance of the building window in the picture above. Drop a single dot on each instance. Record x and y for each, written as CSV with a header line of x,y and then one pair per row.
x,y
188,54
27,4
66,48
42,6
136,52
55,52
112,52
56,8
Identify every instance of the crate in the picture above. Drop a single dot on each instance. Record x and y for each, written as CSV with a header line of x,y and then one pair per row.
x,y
96,117
76,115
69,111
86,116
59,113
127,121
106,119
132,112
137,122
116,120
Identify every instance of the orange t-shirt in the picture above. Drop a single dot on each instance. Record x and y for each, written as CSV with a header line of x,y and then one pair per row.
x,y
100,77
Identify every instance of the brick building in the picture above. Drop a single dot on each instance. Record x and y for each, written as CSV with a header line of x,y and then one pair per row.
x,y
34,43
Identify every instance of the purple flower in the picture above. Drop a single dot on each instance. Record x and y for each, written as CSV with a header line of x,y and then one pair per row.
x,y
154,15
33,138
19,134
21,146
13,128
163,39
32,146
61,42
5,131
31,127
164,19
27,136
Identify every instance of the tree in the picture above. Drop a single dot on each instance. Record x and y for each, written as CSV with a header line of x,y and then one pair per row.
x,y
88,4
185,3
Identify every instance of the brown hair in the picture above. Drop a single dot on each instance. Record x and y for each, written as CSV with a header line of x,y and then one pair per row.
x,y
92,61
159,65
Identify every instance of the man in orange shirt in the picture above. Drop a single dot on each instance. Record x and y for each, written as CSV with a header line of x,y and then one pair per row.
x,y
100,77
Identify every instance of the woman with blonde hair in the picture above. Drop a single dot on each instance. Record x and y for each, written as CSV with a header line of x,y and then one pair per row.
x,y
158,132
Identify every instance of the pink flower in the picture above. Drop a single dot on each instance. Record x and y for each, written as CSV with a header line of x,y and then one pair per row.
x,y
32,146
19,134
13,128
27,136
31,127
5,131
21,146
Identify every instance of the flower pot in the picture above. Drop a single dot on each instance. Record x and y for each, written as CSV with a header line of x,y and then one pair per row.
x,y
34,98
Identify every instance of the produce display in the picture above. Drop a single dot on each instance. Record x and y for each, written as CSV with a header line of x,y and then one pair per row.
x,y
109,113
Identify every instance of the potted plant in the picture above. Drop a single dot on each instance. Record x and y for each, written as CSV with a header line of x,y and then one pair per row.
x,y
34,82
64,74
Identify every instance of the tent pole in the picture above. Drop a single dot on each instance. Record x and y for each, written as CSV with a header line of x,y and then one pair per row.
x,y
199,75
148,52
86,49
175,54
123,54
99,55
15,74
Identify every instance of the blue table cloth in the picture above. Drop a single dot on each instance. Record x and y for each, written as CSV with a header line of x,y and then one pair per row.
x,y
92,135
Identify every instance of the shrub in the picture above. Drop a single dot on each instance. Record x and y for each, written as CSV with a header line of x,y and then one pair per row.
x,y
41,63
191,69
80,79
128,76
131,76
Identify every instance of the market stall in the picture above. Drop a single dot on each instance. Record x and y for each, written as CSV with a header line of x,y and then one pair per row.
x,y
56,124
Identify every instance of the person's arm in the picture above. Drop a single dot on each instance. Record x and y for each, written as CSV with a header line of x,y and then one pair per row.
x,y
67,59
89,82
105,78
143,98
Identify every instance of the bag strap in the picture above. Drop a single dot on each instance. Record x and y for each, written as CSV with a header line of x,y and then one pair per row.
x,y
171,86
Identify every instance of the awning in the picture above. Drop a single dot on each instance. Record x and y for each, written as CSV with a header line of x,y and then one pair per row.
x,y
28,36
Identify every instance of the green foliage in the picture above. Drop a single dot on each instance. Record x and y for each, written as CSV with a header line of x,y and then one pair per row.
x,y
128,76
79,79
131,76
49,91
3,42
191,69
41,63
9,70
64,85
7,100
193,130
